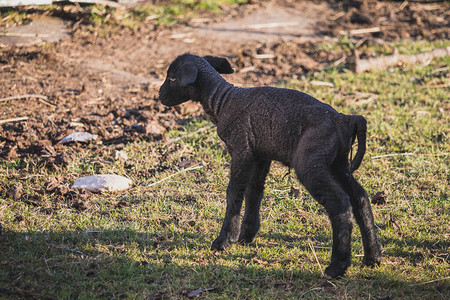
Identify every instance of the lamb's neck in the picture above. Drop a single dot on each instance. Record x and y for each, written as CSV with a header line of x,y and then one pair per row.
x,y
214,96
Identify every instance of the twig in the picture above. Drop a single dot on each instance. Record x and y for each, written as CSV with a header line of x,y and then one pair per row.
x,y
431,281
339,61
391,155
7,18
272,25
321,247
322,83
190,134
436,86
13,120
247,69
46,102
408,153
404,4
41,98
67,249
48,268
315,256
380,63
364,30
336,16
102,2
264,56
23,97
24,34
177,173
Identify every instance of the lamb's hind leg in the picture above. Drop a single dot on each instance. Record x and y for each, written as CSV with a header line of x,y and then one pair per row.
x,y
364,217
319,182
253,196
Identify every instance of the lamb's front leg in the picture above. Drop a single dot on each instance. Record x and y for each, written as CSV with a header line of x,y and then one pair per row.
x,y
253,196
239,178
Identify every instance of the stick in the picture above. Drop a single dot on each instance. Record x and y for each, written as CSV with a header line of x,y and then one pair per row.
x,y
177,173
315,256
13,120
381,63
190,134
392,154
41,98
247,69
272,25
404,4
322,83
13,3
436,86
263,56
23,97
67,249
364,30
431,281
24,34
417,154
47,103
336,16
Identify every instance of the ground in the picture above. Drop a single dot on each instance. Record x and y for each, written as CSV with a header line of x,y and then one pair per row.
x,y
106,82
103,77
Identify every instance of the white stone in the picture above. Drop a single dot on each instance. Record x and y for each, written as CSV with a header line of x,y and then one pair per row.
x,y
121,155
102,183
79,137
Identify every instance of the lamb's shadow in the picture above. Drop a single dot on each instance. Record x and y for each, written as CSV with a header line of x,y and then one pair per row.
x,y
122,262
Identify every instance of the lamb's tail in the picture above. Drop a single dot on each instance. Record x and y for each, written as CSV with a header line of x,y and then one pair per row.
x,y
359,126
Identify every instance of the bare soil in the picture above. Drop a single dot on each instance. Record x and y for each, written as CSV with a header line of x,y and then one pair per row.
x,y
107,84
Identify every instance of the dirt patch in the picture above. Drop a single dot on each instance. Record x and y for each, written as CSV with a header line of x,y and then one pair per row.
x,y
108,85
37,30
268,24
395,20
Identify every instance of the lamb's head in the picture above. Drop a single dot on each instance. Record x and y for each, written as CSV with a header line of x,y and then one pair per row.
x,y
183,76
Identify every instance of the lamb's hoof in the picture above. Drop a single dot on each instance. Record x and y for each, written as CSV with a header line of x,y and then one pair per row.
x,y
374,259
335,270
246,239
220,244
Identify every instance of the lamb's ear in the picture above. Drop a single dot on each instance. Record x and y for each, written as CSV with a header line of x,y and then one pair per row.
x,y
220,64
187,74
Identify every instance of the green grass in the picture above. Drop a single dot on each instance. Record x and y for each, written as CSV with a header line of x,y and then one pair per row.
x,y
105,20
167,13
154,241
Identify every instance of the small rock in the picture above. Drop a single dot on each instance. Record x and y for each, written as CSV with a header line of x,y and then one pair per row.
x,y
102,183
138,127
198,292
121,155
154,128
79,137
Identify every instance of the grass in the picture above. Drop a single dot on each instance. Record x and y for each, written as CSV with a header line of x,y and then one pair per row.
x,y
105,19
154,241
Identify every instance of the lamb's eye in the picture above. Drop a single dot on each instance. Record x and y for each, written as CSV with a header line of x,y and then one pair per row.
x,y
172,79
